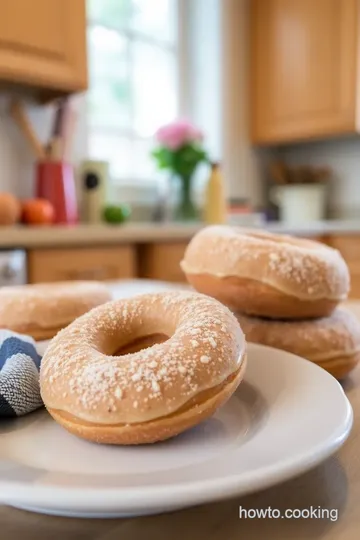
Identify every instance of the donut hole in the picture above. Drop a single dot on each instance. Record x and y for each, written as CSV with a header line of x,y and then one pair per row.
x,y
141,343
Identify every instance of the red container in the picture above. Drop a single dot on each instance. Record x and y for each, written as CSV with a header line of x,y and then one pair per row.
x,y
55,182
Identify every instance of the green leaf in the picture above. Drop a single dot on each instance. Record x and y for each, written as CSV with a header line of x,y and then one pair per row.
x,y
164,158
182,161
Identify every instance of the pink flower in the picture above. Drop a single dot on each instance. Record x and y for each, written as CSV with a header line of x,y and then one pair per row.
x,y
176,134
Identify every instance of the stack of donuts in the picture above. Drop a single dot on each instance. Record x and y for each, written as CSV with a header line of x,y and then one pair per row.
x,y
284,291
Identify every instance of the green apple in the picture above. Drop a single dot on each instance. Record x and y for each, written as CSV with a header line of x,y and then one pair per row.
x,y
116,213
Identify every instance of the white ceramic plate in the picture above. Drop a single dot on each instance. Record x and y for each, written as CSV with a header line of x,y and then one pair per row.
x,y
286,417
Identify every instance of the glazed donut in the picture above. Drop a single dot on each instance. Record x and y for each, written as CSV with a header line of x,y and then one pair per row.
x,y
41,310
332,342
264,274
143,369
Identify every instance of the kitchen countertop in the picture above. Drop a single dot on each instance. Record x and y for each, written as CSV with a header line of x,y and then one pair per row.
x,y
335,484
318,228
86,235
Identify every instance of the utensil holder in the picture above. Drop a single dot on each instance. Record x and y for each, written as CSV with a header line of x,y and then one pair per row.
x,y
55,182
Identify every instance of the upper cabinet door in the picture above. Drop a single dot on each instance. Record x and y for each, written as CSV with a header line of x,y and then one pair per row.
x,y
304,69
43,44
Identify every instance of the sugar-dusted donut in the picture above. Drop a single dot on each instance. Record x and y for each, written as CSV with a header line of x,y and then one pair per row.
x,y
41,310
264,274
331,342
143,369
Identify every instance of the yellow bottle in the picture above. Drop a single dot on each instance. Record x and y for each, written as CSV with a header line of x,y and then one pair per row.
x,y
215,210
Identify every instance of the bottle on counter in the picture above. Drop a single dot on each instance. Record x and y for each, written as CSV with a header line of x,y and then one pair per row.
x,y
94,185
215,207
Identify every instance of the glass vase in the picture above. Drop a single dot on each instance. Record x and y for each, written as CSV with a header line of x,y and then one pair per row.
x,y
185,209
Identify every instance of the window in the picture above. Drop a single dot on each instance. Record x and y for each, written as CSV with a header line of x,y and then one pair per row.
x,y
133,72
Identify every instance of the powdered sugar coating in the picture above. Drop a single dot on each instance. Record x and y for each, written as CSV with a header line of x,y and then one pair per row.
x,y
153,382
317,340
302,268
50,305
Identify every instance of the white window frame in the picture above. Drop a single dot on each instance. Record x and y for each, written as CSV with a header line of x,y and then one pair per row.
x,y
180,51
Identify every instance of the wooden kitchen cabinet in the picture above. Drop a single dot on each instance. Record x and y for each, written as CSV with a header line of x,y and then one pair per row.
x,y
162,261
349,247
43,44
304,69
105,263
323,239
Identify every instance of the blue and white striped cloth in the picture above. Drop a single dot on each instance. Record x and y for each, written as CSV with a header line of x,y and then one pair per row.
x,y
19,375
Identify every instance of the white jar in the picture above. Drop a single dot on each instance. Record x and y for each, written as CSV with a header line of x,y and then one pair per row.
x,y
300,203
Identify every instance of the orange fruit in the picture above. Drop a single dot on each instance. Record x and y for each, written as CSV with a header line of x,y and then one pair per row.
x,y
37,212
10,209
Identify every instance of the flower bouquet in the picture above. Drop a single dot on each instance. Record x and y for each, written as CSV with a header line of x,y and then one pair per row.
x,y
180,151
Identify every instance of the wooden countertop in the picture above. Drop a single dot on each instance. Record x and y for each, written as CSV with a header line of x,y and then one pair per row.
x,y
319,228
335,484
87,235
